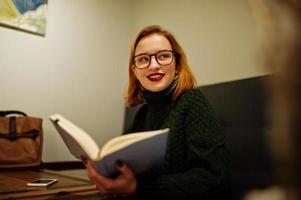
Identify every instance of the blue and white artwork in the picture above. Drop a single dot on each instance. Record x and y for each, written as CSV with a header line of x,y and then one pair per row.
x,y
27,15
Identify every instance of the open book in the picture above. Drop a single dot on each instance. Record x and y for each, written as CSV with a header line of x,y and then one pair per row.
x,y
139,151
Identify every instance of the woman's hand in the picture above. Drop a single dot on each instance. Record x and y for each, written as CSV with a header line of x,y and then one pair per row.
x,y
124,184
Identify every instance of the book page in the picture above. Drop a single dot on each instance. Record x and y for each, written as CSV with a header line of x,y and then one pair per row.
x,y
122,141
80,137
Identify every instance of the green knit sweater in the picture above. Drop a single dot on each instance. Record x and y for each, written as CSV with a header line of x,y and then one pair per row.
x,y
196,160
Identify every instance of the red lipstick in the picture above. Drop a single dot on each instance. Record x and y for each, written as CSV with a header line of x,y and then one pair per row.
x,y
155,77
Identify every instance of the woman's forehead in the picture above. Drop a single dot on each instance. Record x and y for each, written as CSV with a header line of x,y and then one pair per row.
x,y
152,44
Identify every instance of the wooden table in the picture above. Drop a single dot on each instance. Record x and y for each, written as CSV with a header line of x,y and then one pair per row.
x,y
13,186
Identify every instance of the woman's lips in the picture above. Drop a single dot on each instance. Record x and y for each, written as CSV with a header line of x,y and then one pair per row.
x,y
155,77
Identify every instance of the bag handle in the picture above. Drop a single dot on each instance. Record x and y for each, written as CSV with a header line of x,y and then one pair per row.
x,y
12,129
11,112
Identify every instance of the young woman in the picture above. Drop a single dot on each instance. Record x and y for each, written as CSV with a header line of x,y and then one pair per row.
x,y
195,161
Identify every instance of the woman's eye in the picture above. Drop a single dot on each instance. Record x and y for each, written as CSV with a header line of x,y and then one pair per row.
x,y
164,56
143,59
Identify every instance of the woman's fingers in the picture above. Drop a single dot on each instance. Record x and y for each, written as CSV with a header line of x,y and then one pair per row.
x,y
127,178
102,183
125,183
124,170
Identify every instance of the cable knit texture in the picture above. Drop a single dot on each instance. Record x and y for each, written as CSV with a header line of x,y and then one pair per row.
x,y
196,158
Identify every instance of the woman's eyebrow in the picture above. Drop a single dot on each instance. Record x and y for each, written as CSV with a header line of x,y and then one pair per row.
x,y
152,53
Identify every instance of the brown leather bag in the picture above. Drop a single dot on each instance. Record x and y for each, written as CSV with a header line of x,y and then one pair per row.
x,y
21,140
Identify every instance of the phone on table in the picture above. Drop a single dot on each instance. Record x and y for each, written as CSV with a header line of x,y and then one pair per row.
x,y
42,182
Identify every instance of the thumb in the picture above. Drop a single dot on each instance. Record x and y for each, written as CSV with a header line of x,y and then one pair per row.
x,y
124,170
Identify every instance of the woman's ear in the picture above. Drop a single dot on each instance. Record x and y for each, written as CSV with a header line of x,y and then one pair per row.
x,y
176,76
134,70
177,71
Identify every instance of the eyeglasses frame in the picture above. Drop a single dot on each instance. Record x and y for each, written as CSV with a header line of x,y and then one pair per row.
x,y
151,55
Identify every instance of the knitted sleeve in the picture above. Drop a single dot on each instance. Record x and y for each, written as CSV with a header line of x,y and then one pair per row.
x,y
204,173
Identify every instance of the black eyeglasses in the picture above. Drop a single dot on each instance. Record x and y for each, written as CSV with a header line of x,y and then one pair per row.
x,y
163,57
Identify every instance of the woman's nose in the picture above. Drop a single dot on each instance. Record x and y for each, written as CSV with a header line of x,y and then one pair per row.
x,y
153,63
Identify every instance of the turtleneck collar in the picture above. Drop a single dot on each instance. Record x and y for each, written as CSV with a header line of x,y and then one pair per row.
x,y
159,101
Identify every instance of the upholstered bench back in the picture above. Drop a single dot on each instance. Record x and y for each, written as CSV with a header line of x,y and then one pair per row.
x,y
241,109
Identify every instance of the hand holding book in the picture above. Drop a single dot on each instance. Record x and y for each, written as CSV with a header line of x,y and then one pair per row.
x,y
125,183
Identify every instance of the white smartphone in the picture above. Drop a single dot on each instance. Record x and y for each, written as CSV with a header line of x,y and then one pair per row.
x,y
42,182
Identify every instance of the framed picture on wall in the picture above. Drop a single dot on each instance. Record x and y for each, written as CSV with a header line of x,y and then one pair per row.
x,y
25,15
